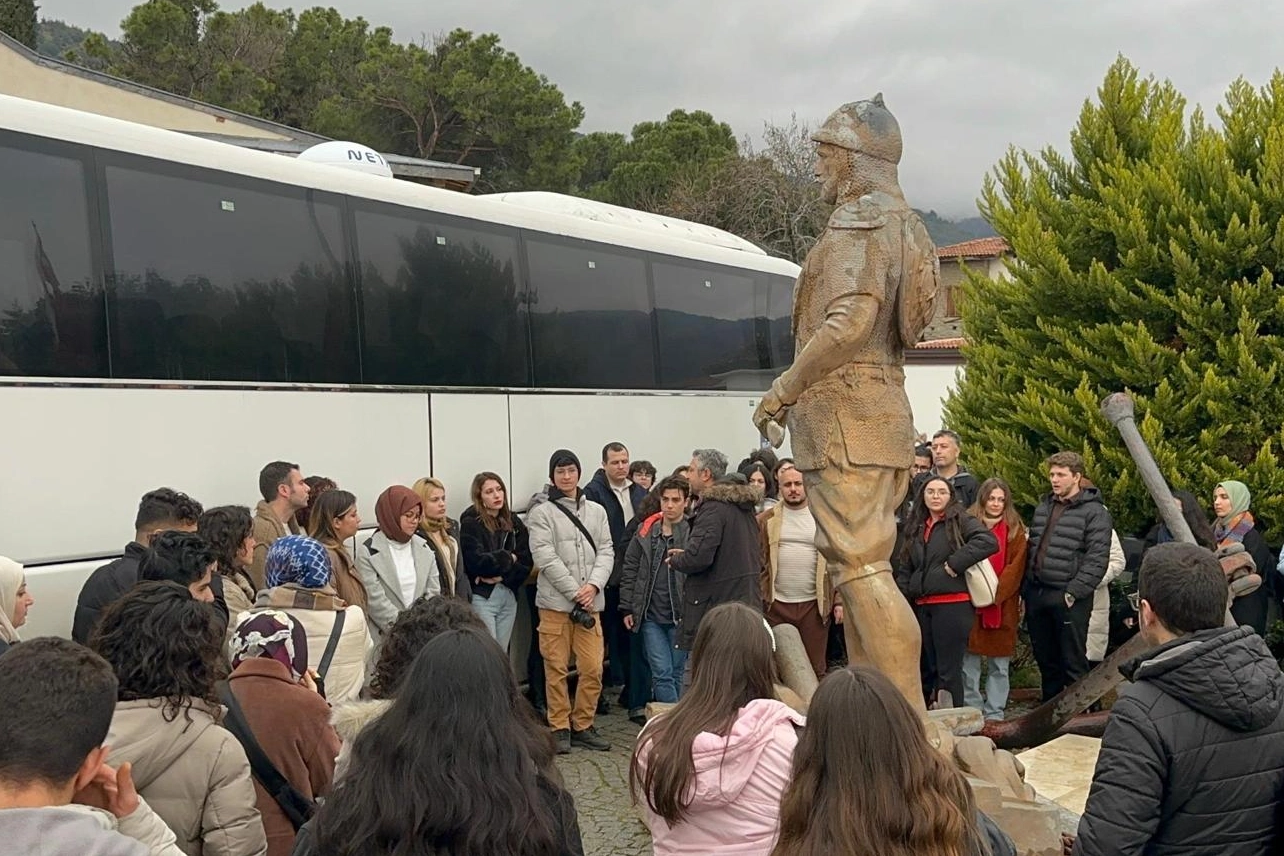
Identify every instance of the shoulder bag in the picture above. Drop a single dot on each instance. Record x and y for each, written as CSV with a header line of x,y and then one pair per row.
x,y
298,808
982,581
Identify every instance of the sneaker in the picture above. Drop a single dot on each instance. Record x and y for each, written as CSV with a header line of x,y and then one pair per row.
x,y
589,739
563,738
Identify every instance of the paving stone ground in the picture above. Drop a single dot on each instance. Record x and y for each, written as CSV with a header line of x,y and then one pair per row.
x,y
609,824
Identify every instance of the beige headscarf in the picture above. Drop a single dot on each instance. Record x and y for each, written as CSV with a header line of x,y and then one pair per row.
x,y
11,578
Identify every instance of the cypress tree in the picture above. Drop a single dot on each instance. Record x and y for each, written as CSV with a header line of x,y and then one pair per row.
x,y
18,20
1145,262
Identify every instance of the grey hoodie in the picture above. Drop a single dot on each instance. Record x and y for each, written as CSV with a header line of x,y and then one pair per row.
x,y
78,830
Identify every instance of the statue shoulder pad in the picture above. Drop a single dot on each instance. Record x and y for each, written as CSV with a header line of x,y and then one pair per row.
x,y
864,213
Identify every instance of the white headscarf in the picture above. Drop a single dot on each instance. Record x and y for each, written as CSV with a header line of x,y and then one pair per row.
x,y
11,579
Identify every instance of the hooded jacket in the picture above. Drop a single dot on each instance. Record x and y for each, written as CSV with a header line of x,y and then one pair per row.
x,y
739,780
1192,760
600,491
644,568
723,557
564,556
78,830
1078,546
193,773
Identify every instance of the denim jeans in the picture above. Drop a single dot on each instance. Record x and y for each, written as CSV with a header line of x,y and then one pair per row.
x,y
497,612
996,685
667,662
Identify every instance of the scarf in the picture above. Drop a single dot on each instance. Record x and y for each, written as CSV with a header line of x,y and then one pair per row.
x,y
1238,521
298,559
392,503
292,596
272,634
11,580
992,615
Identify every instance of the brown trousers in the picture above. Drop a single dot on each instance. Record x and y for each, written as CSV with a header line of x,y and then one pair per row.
x,y
811,627
558,638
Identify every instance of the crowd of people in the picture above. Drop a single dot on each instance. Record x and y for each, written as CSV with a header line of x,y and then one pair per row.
x,y
274,681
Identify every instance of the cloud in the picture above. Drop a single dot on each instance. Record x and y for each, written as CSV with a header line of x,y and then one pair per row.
x,y
965,79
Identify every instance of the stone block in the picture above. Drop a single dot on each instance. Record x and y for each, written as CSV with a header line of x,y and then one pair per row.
x,y
989,798
1035,828
977,757
961,721
655,708
793,663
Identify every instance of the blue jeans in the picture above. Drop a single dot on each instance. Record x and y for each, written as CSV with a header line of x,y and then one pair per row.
x,y
667,662
498,612
996,685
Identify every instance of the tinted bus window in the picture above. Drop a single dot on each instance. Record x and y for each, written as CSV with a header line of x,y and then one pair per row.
x,y
590,316
706,323
780,308
441,301
52,321
220,278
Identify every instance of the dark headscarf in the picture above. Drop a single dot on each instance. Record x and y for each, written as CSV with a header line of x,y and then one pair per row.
x,y
392,503
273,634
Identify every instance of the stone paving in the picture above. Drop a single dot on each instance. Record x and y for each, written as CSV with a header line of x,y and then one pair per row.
x,y
599,781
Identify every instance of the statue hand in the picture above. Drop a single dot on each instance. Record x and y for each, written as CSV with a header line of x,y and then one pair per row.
x,y
769,418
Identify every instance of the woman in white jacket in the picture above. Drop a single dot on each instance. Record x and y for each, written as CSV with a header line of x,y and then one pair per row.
x,y
1099,622
396,564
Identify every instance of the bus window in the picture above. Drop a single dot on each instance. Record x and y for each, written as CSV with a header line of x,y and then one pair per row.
x,y
221,278
706,323
590,316
441,301
52,320
780,308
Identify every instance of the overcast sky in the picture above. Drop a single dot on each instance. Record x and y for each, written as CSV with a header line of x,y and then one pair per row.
x,y
966,78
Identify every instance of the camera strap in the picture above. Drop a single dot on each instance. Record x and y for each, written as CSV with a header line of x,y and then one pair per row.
x,y
579,524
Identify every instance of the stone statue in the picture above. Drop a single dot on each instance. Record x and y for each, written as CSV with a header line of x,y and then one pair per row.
x,y
865,293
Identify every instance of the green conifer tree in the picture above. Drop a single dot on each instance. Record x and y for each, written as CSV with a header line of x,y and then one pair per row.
x,y
18,20
1146,259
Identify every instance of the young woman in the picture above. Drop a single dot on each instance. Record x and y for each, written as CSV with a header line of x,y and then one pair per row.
x,y
994,628
442,535
941,542
454,766
642,474
1235,524
709,773
867,783
229,532
300,582
164,647
396,564
277,695
761,479
335,522
15,600
496,555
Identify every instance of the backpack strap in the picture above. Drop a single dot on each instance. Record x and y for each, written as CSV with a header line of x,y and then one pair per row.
x,y
295,805
332,645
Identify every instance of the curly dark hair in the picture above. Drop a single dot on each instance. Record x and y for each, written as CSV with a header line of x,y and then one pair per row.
x,y
225,529
423,621
162,644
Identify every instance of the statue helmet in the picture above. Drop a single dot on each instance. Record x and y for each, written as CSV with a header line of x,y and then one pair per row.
x,y
863,126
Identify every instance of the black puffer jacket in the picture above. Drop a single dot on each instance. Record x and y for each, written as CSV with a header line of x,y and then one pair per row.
x,y
922,572
1079,545
722,559
105,586
487,553
1192,760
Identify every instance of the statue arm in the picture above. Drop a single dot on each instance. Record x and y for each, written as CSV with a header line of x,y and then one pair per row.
x,y
848,322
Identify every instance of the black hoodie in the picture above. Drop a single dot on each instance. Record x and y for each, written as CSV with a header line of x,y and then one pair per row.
x,y
1192,760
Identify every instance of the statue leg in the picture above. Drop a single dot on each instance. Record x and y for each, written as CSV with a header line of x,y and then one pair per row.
x,y
854,509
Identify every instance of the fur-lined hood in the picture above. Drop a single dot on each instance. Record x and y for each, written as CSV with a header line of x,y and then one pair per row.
x,y
740,494
351,718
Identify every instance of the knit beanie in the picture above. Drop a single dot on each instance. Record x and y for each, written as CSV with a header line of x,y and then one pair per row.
x,y
563,458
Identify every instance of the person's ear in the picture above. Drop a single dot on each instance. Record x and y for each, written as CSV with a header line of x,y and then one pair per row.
x,y
90,766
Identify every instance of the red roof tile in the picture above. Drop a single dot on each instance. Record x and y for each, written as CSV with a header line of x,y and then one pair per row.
x,y
940,344
981,248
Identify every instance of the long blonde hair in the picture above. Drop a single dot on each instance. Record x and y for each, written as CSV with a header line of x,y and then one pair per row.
x,y
424,488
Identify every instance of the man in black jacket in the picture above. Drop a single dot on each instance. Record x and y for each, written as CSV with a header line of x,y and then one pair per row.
x,y
1068,553
1192,760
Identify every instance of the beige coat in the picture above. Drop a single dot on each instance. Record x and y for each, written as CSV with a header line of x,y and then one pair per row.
x,y
347,674
266,530
770,523
194,775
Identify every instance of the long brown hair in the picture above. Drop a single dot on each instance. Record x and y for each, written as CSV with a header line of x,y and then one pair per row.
x,y
1010,516
732,663
866,781
330,505
499,522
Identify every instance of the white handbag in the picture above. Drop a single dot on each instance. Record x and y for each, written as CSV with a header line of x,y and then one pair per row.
x,y
982,583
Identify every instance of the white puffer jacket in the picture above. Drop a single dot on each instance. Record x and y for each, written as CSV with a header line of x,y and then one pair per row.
x,y
1099,623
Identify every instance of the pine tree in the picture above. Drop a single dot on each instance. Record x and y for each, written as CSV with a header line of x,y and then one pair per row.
x,y
1146,260
18,20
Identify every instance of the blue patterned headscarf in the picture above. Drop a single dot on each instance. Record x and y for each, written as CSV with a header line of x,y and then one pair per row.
x,y
297,559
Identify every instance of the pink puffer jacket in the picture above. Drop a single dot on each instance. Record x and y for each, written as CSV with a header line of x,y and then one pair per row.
x,y
739,781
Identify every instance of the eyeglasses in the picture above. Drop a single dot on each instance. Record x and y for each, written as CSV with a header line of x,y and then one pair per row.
x,y
1134,600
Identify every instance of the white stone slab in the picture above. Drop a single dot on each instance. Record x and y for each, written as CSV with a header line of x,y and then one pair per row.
x,y
1061,770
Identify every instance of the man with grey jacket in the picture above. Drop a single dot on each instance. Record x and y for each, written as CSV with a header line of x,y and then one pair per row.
x,y
571,544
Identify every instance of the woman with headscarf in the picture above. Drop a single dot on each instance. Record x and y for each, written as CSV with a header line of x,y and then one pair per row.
x,y
14,602
442,535
279,704
396,564
1235,524
300,583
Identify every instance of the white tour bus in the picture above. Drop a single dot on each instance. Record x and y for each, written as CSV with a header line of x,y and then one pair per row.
x,y
178,312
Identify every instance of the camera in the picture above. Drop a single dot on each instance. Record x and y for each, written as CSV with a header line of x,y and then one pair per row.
x,y
583,617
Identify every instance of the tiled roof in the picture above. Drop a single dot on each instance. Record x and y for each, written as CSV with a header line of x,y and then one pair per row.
x,y
981,248
940,344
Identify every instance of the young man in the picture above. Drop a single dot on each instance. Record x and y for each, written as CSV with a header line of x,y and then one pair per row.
x,y
571,545
184,558
946,446
160,510
796,589
1192,760
722,560
1068,554
58,796
650,591
284,492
